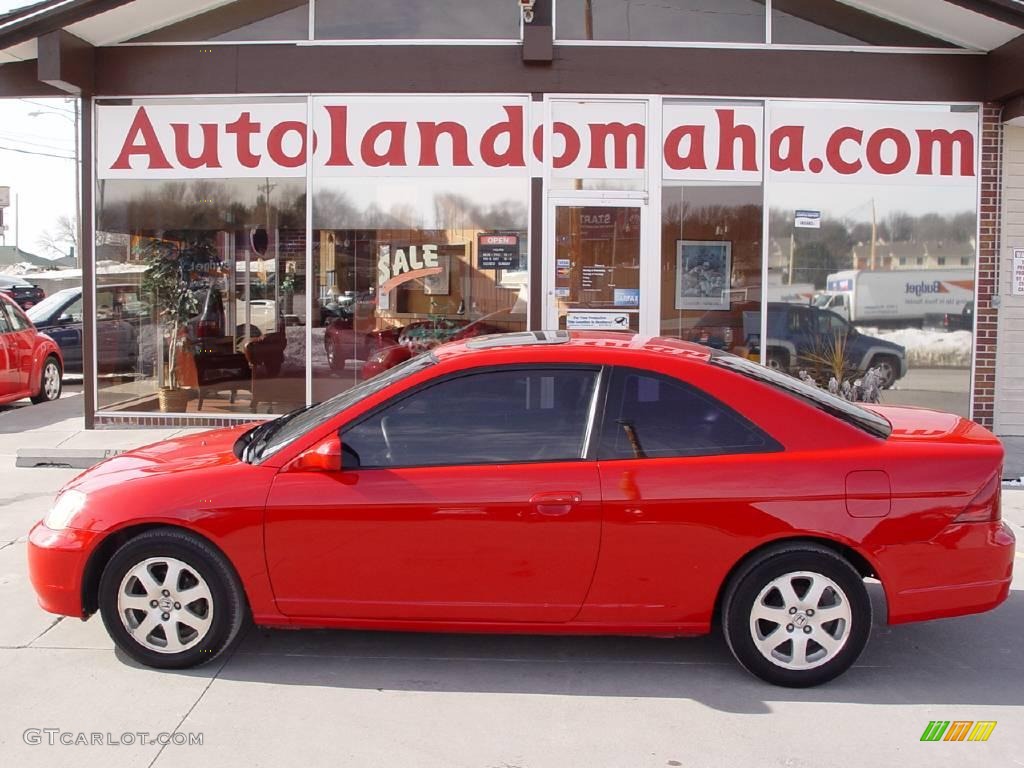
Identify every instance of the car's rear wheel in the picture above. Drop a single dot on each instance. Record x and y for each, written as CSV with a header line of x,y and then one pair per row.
x,y
170,600
50,384
797,617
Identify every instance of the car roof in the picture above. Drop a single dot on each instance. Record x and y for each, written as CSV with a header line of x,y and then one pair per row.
x,y
14,280
597,344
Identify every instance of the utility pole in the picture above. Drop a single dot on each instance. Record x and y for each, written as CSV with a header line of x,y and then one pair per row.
x,y
874,232
78,194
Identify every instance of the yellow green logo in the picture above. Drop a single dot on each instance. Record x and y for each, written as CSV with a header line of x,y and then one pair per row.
x,y
958,730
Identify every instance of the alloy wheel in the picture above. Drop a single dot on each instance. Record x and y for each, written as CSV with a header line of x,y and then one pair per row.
x,y
800,620
165,605
51,381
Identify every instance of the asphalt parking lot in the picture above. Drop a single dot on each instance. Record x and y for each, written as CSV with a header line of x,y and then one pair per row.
x,y
945,389
382,699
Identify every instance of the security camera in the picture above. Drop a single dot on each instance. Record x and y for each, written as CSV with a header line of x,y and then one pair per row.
x,y
526,6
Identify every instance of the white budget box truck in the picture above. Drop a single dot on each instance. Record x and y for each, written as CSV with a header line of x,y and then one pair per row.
x,y
896,298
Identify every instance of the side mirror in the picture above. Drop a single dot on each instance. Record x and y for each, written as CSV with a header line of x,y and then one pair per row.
x,y
325,457
65,319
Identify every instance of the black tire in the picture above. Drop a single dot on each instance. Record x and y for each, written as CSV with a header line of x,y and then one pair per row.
x,y
888,366
229,608
334,360
51,367
746,587
778,361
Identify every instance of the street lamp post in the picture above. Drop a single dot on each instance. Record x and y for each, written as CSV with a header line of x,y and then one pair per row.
x,y
78,172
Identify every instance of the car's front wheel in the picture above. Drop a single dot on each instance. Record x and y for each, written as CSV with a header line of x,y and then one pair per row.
x,y
797,617
170,600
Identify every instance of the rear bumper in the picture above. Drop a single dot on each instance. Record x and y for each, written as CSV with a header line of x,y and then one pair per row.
x,y
966,569
56,562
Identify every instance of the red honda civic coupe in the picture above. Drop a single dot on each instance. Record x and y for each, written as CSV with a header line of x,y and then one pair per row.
x,y
31,364
543,482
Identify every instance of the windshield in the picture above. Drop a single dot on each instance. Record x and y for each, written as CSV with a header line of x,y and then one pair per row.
x,y
49,305
849,412
822,301
269,438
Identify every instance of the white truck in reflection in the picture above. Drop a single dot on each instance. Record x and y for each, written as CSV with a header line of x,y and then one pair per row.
x,y
896,298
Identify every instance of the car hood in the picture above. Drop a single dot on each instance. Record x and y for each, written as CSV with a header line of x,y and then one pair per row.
x,y
179,454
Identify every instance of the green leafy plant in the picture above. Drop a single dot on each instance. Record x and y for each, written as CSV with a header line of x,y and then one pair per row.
x,y
171,262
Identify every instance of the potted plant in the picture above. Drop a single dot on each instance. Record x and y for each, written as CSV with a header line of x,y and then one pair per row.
x,y
171,262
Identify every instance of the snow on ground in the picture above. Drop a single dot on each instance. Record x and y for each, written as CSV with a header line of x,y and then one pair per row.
x,y
929,349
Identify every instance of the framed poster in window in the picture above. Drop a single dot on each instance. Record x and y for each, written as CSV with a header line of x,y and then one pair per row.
x,y
703,269
440,283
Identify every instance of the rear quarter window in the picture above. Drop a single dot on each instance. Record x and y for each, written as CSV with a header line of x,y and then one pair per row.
x,y
651,415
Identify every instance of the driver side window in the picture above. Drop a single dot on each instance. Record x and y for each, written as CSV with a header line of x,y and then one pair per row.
x,y
832,324
491,417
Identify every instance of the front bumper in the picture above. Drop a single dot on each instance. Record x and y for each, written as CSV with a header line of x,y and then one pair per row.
x,y
966,569
56,563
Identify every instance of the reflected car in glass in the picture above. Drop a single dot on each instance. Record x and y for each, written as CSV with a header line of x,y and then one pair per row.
x,y
24,293
30,362
121,315
549,483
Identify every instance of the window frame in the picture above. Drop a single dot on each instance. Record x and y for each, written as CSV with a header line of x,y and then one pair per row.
x,y
591,437
613,379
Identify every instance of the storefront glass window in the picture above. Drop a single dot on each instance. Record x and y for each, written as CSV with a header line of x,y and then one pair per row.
x,y
734,21
200,256
711,264
872,255
201,292
413,20
829,22
243,20
402,265
712,223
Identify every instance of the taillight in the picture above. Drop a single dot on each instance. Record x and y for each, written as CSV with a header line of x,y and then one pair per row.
x,y
986,506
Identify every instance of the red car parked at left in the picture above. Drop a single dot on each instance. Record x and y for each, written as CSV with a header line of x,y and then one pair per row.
x,y
31,364
543,482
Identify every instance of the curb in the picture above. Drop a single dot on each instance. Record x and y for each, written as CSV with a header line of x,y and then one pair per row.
x,y
63,458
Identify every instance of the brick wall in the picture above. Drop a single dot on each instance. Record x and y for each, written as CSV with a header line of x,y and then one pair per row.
x,y
988,264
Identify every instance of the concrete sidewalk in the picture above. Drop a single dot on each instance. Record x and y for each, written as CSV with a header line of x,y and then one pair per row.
x,y
60,426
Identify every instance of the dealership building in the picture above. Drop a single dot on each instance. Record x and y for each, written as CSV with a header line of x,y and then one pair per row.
x,y
275,191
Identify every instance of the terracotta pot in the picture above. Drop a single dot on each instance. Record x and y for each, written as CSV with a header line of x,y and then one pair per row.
x,y
173,400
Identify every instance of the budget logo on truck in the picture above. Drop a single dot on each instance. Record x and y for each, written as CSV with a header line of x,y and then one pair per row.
x,y
918,289
937,286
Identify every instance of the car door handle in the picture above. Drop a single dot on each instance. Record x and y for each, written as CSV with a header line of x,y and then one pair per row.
x,y
555,503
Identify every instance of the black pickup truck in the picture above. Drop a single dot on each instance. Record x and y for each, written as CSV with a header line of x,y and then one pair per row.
x,y
960,321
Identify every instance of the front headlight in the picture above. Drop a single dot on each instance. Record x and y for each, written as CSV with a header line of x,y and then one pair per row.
x,y
67,505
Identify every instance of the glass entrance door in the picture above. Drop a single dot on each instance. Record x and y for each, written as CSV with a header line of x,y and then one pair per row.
x,y
593,265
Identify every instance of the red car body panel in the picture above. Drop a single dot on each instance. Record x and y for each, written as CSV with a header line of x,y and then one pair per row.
x,y
645,549
22,354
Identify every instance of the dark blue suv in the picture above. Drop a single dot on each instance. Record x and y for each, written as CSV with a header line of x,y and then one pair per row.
x,y
797,334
